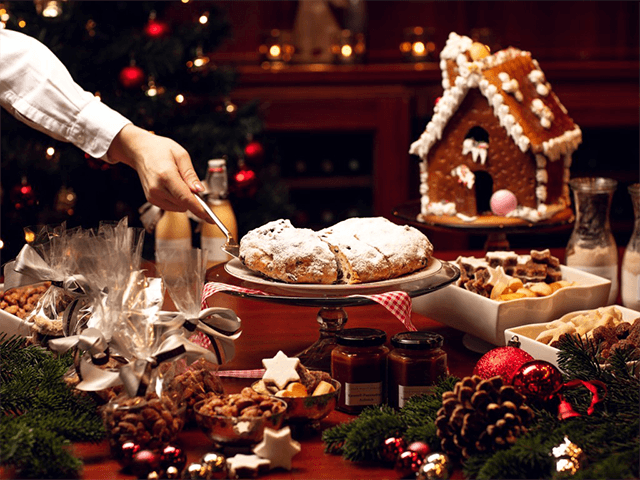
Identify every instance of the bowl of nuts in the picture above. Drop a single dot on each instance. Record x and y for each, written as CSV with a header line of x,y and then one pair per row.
x,y
150,422
239,419
303,404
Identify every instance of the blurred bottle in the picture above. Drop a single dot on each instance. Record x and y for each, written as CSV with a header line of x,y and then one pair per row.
x,y
173,231
211,237
592,246
630,290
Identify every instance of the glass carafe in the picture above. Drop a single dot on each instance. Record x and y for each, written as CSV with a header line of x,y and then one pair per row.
x,y
592,247
630,276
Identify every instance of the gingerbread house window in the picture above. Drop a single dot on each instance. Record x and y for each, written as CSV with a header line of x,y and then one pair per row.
x,y
484,190
476,142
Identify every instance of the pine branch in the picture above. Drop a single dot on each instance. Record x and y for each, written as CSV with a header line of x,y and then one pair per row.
x,y
365,440
41,414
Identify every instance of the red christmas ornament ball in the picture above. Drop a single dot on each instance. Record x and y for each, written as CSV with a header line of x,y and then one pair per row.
x,y
254,152
420,447
23,195
537,380
127,452
156,29
132,76
173,456
408,463
245,182
391,448
144,462
502,361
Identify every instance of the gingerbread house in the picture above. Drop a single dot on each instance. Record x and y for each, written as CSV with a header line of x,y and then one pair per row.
x,y
497,126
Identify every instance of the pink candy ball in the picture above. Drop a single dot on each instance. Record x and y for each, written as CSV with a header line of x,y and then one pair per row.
x,y
502,202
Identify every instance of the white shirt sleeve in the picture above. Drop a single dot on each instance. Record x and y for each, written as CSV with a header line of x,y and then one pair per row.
x,y
37,88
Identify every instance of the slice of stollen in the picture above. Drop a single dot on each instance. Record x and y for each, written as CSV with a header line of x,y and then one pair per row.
x,y
405,248
293,255
357,261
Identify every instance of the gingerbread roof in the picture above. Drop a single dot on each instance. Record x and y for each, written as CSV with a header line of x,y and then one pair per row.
x,y
517,90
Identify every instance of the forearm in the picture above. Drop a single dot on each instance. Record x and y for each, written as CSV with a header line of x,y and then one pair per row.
x,y
38,90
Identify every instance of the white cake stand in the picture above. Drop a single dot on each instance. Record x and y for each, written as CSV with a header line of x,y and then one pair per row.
x,y
330,299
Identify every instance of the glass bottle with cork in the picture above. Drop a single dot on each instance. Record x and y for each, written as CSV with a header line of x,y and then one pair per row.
x,y
173,232
211,237
592,247
630,276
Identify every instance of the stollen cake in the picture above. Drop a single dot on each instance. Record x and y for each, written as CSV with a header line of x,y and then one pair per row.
x,y
356,250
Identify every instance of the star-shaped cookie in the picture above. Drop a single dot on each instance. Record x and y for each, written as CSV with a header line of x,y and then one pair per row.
x,y
278,447
281,369
246,466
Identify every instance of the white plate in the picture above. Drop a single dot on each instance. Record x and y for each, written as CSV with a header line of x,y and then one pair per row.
x,y
527,335
237,269
488,319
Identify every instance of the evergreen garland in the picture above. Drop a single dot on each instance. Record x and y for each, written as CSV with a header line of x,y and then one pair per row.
x,y
609,437
41,414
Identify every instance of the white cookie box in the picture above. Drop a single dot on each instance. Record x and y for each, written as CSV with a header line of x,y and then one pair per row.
x,y
488,319
527,335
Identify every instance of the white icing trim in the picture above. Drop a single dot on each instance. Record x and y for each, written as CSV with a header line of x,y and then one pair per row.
x,y
501,110
439,208
478,150
511,85
536,214
465,176
448,103
542,176
538,79
543,112
564,144
466,218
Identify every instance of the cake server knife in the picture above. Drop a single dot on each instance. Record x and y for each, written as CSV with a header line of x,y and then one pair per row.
x,y
231,246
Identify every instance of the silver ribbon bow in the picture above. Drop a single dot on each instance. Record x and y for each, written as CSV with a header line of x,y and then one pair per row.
x,y
221,325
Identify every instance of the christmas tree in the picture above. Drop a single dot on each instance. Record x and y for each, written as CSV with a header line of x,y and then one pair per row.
x,y
148,61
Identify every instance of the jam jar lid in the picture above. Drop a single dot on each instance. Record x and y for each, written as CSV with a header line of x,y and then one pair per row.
x,y
361,337
417,340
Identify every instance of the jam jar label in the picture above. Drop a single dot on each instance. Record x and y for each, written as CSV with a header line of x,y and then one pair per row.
x,y
357,394
405,392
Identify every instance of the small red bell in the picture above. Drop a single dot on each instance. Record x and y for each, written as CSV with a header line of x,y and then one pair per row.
x,y
565,410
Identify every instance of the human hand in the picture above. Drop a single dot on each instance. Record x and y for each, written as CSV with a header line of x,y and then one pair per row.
x,y
164,167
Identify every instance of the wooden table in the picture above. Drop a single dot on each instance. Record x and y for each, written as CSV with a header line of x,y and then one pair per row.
x,y
268,328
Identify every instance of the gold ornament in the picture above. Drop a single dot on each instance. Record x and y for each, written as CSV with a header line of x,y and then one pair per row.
x,y
215,465
195,471
478,51
569,459
436,466
172,473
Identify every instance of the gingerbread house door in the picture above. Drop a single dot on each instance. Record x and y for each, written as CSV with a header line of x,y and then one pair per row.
x,y
483,189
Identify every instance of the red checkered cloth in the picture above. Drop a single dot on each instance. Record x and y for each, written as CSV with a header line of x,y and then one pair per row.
x,y
398,303
257,373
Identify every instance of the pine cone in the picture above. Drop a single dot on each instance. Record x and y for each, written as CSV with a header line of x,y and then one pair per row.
x,y
481,416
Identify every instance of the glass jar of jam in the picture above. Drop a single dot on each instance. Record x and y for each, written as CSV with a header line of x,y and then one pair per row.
x,y
416,363
359,363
